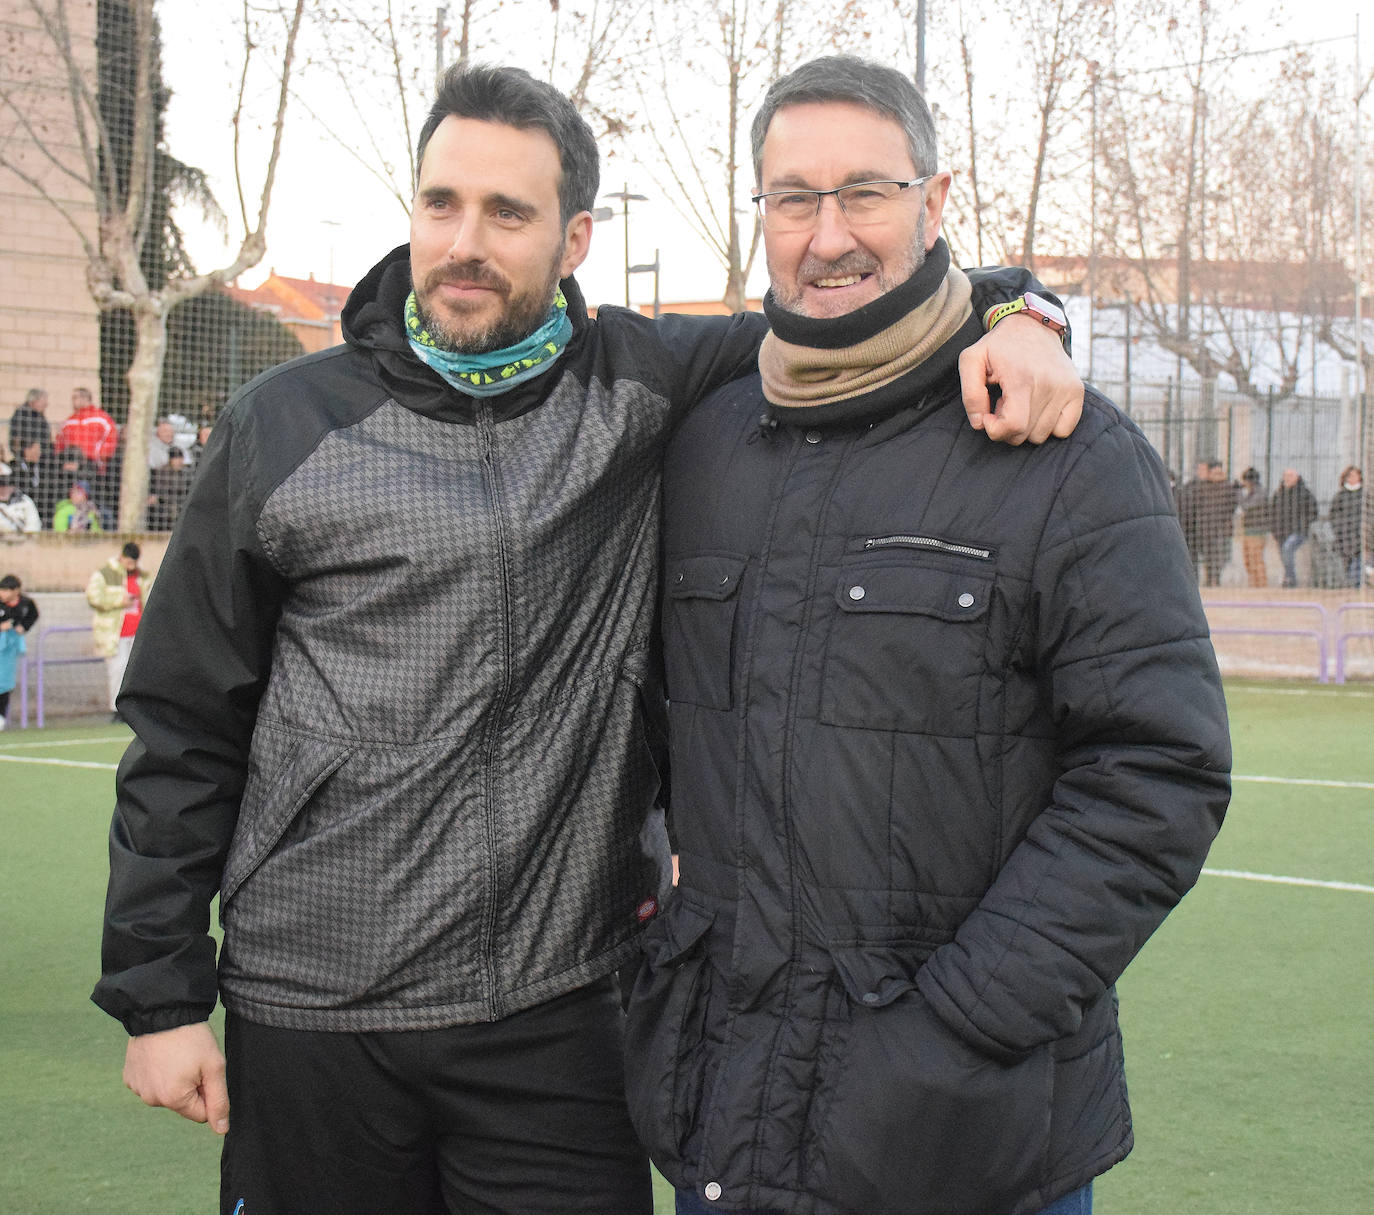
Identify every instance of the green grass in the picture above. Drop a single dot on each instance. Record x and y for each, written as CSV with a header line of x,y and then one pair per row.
x,y
1246,1017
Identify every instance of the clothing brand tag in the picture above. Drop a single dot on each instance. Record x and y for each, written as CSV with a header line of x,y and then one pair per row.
x,y
646,910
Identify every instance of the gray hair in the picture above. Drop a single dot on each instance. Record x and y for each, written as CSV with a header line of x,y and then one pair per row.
x,y
34,394
883,90
511,96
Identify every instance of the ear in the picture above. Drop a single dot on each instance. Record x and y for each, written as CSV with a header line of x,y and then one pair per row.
x,y
577,239
937,192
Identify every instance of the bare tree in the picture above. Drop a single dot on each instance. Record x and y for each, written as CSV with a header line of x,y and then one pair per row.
x,y
700,133
114,269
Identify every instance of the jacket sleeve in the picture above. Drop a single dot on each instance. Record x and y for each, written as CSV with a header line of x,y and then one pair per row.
x,y
102,594
1117,638
198,669
998,284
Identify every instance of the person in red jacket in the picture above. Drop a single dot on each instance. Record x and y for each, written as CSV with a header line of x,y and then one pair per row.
x,y
90,430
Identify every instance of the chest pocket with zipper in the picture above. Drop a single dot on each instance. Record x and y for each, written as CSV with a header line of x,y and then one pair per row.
x,y
908,642
702,592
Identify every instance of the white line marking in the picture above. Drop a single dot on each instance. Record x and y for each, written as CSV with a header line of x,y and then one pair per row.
x,y
1280,880
56,763
68,742
1231,688
1302,780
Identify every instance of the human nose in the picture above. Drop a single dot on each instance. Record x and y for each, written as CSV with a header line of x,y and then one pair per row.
x,y
467,241
832,234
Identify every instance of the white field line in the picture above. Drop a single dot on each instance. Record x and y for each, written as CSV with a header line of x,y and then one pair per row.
x,y
1232,690
1280,880
55,763
1302,780
68,742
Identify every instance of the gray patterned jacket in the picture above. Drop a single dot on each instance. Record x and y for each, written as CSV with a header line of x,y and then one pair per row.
x,y
393,696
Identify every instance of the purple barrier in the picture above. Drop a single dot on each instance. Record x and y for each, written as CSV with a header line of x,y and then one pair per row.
x,y
1318,634
1343,634
44,661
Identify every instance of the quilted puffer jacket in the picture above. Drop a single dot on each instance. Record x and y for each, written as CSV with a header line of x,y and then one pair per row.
x,y
948,742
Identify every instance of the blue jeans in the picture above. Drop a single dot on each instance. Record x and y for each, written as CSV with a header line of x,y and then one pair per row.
x,y
1080,1202
1288,550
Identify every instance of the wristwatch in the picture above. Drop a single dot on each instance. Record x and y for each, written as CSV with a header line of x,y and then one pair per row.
x,y
1048,314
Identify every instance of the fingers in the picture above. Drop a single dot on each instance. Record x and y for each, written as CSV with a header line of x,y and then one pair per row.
x,y
181,1070
974,374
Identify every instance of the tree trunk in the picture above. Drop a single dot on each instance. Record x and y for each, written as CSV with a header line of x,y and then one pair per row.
x,y
145,382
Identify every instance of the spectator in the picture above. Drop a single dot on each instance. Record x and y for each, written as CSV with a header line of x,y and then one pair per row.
x,y
90,430
1216,521
76,512
18,514
198,447
1255,519
15,606
1347,514
116,594
168,487
1293,509
1189,499
162,444
29,423
12,646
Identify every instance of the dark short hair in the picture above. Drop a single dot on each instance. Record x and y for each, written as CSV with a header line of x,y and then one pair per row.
x,y
130,550
882,89
511,96
10,583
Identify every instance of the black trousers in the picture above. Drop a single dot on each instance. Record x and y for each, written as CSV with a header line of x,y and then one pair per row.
x,y
524,1116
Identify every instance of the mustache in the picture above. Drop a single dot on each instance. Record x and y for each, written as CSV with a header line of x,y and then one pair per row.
x,y
476,273
852,262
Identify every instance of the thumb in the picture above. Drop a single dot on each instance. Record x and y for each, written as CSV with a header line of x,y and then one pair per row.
x,y
216,1094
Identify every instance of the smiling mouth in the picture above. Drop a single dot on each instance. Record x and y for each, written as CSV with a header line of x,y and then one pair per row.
x,y
848,280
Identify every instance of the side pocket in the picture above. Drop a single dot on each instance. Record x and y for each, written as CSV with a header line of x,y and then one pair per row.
x,y
701,596
663,1030
284,773
913,1110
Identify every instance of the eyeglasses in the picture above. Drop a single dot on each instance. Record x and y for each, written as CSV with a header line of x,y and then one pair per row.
x,y
862,203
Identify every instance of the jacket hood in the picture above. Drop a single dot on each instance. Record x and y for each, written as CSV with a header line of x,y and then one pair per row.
x,y
372,322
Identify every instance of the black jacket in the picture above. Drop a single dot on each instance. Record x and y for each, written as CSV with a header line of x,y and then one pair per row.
x,y
393,694
948,742
1293,510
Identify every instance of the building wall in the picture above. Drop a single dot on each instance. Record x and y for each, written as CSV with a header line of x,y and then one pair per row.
x,y
49,330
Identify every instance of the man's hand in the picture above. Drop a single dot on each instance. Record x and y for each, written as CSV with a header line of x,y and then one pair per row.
x,y
1042,394
180,1069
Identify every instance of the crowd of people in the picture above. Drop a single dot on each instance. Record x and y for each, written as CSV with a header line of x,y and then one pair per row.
x,y
68,479
1208,506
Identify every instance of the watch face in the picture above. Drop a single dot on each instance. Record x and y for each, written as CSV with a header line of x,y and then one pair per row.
x,y
1050,313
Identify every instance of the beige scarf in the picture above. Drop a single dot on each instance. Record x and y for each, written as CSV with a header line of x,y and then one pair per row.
x,y
805,375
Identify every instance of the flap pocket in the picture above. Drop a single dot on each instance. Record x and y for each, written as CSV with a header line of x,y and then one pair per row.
x,y
922,589
876,975
673,934
699,626
705,576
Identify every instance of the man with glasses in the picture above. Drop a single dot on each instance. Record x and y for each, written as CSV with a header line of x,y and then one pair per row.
x,y
395,703
947,730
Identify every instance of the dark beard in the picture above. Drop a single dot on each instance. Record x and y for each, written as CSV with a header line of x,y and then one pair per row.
x,y
523,314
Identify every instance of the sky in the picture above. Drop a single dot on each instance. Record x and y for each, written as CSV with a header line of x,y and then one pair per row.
x,y
331,219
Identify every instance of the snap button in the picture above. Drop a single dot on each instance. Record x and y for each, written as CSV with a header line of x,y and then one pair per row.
x,y
724,580
813,436
679,578
870,997
966,600
713,1190
857,592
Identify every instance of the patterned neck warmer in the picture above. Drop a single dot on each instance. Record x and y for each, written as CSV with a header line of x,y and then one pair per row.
x,y
496,371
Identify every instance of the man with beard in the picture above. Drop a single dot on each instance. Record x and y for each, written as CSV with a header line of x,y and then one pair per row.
x,y
395,701
947,730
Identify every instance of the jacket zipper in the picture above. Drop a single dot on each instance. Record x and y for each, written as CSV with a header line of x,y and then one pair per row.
x,y
486,441
931,543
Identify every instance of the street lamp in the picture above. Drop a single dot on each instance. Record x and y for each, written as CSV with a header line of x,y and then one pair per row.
x,y
626,198
649,268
